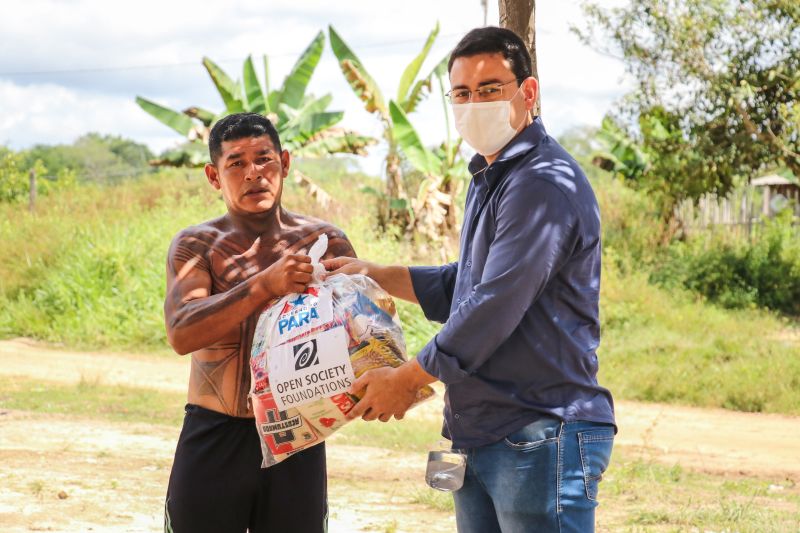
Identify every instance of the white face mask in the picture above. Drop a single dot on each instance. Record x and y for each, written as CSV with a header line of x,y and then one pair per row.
x,y
486,126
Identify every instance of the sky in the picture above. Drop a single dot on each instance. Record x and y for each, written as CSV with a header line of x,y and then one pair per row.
x,y
72,67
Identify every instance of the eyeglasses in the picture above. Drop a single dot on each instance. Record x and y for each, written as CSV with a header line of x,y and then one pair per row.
x,y
485,93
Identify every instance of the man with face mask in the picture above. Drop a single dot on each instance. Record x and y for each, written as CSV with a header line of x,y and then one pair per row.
x,y
517,352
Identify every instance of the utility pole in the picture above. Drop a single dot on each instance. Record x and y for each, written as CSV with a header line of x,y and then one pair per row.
x,y
485,4
32,191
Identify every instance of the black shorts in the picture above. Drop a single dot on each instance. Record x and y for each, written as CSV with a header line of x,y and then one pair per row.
x,y
217,484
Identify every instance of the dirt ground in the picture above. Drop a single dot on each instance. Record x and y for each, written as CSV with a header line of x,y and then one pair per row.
x,y
69,474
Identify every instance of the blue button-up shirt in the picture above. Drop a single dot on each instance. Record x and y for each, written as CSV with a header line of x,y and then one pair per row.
x,y
520,307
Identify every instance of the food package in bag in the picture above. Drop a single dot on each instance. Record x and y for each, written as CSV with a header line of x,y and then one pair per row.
x,y
309,348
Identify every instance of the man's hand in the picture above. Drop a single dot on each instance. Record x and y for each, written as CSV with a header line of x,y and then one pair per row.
x,y
387,391
290,273
395,280
383,395
348,265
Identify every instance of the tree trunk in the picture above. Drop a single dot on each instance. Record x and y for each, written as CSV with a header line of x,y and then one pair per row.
x,y
519,16
395,190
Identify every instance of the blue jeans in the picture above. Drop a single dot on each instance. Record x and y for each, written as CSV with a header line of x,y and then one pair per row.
x,y
541,478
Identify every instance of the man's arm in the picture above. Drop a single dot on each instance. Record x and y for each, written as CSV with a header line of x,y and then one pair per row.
x,y
434,287
396,280
194,317
536,233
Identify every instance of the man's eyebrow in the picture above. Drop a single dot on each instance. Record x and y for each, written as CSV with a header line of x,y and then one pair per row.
x,y
481,84
239,155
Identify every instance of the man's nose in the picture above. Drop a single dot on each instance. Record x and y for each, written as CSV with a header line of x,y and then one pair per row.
x,y
253,172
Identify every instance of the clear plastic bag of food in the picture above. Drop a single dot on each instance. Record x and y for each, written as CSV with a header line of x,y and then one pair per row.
x,y
308,349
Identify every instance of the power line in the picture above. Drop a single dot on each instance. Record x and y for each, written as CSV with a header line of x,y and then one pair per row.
x,y
88,70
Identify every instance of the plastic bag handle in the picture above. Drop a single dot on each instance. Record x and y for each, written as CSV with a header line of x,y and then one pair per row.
x,y
316,252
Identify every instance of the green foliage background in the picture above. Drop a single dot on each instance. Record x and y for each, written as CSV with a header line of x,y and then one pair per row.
x,y
87,271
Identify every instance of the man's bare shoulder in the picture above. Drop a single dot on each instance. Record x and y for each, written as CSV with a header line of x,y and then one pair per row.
x,y
317,225
194,243
306,230
206,232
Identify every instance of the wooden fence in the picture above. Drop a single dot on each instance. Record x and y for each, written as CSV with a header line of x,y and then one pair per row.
x,y
742,211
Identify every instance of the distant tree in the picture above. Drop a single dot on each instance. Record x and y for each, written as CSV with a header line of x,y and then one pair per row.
x,y
717,89
92,157
14,176
54,157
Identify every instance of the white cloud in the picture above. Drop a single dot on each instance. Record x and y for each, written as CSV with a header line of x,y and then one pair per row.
x,y
49,114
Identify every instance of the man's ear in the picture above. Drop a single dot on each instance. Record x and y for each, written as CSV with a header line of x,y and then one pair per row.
x,y
212,174
286,162
530,88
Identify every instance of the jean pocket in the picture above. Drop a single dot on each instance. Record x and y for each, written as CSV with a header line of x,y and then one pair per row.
x,y
534,435
595,446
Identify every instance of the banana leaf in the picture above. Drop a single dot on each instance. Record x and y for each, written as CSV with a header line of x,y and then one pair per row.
x,y
409,142
424,84
272,97
310,106
301,122
252,88
308,125
357,76
177,121
334,141
294,86
189,154
412,70
203,115
227,88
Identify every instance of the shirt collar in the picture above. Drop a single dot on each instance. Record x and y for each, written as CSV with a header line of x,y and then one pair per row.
x,y
520,145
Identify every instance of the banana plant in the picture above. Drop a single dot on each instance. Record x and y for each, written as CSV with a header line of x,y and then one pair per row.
x,y
303,122
433,210
618,153
411,90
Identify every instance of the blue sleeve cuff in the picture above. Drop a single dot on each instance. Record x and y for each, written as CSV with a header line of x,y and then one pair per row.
x,y
444,367
433,287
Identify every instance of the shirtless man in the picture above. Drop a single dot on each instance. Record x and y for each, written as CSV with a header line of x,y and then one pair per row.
x,y
220,275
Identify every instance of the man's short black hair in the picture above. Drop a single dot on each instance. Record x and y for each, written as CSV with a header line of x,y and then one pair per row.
x,y
494,40
240,126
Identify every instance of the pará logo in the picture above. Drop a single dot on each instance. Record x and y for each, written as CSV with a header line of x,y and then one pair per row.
x,y
305,354
298,312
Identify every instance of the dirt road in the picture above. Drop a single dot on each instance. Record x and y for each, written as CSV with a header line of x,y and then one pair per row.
x,y
97,466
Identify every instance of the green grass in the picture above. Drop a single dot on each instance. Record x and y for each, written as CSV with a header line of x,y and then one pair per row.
x,y
440,501
87,271
656,497
91,399
673,347
636,495
642,496
406,435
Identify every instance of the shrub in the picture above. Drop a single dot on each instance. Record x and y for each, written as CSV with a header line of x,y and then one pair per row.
x,y
737,273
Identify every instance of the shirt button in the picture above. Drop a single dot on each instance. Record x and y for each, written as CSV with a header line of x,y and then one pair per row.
x,y
469,264
458,300
457,416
